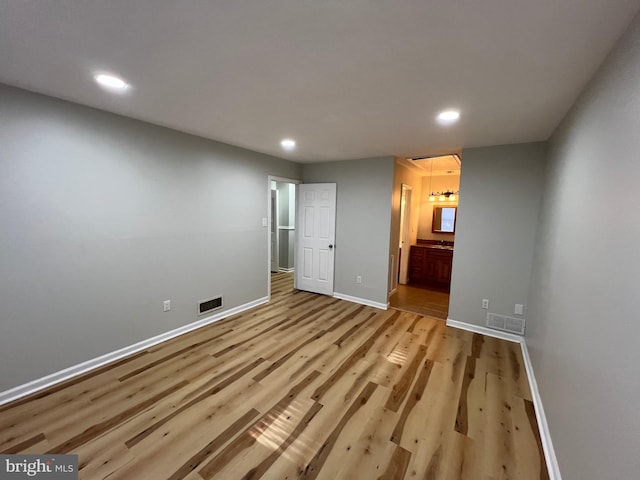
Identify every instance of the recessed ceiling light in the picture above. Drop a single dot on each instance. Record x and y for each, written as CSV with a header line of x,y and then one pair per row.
x,y
288,144
110,81
448,117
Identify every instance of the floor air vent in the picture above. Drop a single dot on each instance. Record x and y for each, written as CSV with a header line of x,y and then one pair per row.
x,y
507,324
207,306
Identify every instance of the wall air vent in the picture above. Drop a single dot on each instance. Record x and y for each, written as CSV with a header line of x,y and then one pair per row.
x,y
506,324
206,306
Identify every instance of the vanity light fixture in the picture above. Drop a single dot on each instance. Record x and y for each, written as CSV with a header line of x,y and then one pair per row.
x,y
447,195
288,144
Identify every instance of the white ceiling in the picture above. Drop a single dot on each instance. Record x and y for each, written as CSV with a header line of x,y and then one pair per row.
x,y
346,79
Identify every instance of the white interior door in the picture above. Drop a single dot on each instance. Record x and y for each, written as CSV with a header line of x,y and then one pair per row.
x,y
315,239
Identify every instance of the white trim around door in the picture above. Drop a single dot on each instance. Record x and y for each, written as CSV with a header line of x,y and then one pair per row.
x,y
273,178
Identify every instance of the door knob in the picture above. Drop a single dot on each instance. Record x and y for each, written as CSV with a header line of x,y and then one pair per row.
x,y
330,246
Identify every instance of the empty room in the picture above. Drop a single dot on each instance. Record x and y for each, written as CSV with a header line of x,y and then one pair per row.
x,y
332,240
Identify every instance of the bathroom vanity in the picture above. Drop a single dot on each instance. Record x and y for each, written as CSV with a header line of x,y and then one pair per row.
x,y
430,265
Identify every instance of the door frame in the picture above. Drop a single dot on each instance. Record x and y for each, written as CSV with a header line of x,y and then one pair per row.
x,y
406,194
275,206
274,178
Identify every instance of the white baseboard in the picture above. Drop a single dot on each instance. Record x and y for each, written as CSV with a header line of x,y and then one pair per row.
x,y
75,370
490,332
543,426
285,270
362,301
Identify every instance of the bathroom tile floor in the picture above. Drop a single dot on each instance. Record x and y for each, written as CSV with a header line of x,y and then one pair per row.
x,y
422,300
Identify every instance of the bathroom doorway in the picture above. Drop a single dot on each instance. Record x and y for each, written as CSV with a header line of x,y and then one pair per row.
x,y
282,226
429,190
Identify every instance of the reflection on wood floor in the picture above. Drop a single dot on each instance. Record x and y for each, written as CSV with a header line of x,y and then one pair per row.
x,y
422,300
304,387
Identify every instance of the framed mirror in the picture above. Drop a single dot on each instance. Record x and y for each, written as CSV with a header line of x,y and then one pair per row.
x,y
444,219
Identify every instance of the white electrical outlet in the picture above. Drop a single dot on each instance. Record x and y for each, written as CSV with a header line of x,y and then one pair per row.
x,y
359,279
485,303
519,309
167,305
265,222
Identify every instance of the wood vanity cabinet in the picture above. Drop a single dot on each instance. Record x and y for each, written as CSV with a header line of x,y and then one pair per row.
x,y
430,266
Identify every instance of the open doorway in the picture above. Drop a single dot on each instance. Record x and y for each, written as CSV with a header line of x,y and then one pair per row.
x,y
429,190
282,228
405,235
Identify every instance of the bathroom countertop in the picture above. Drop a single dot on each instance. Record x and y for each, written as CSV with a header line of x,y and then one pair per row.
x,y
435,247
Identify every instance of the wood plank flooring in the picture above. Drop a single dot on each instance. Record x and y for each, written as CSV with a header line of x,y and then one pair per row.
x,y
304,387
422,300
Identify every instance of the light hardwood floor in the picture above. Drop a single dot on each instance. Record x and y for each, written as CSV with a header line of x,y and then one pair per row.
x,y
422,300
304,387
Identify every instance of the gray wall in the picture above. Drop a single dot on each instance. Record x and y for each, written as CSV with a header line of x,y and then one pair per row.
x,y
105,217
362,223
584,322
500,192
